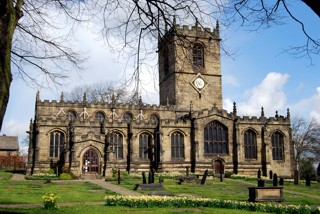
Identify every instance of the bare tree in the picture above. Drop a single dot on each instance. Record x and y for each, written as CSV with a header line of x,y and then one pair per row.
x,y
102,92
306,138
264,14
31,37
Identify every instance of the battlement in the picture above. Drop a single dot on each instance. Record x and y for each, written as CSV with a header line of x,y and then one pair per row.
x,y
255,119
196,31
103,105
212,111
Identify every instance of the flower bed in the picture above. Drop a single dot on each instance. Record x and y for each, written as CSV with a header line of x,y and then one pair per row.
x,y
175,201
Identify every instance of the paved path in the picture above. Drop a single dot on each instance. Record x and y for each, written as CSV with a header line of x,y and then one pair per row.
x,y
114,188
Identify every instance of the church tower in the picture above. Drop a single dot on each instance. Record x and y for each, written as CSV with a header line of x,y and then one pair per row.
x,y
189,68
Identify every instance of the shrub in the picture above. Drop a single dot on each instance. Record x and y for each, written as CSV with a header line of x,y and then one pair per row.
x,y
66,176
228,174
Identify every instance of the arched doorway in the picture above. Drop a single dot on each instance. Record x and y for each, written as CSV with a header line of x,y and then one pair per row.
x,y
90,162
218,168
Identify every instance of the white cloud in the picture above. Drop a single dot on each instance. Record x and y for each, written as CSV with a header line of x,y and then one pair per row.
x,y
15,127
268,94
309,107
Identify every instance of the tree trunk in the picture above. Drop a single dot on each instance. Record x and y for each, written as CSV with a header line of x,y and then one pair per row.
x,y
9,16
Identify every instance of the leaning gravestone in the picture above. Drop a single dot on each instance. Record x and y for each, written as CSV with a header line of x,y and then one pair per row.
x,y
296,177
204,177
308,180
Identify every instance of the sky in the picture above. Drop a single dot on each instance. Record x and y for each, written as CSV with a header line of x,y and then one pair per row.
x,y
260,74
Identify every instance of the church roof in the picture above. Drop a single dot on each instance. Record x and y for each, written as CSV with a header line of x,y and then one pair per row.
x,y
9,143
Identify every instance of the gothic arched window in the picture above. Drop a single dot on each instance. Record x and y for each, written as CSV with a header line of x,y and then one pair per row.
x,y
144,146
116,139
277,146
71,115
56,144
215,138
177,145
127,117
154,119
198,55
100,116
250,144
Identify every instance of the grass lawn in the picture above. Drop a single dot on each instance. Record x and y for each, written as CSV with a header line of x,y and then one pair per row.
x,y
84,209
31,192
235,189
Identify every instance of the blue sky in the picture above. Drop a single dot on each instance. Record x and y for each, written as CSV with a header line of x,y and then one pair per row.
x,y
258,76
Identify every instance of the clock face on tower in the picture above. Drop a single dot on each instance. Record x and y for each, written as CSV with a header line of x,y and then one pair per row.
x,y
199,83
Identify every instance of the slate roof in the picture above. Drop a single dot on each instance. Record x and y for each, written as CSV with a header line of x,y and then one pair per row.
x,y
9,143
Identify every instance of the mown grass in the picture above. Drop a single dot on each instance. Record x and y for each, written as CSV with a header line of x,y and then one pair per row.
x,y
31,191
234,189
85,209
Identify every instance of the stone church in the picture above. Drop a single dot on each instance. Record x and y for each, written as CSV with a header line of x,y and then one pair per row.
x,y
188,130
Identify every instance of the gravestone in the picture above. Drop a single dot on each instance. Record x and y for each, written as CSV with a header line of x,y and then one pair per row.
x,y
308,180
187,171
296,177
259,174
150,178
260,183
275,180
281,181
270,174
204,177
118,176
144,180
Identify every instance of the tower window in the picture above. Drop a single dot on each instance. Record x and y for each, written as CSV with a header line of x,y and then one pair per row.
x,y
277,146
250,145
197,55
215,138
